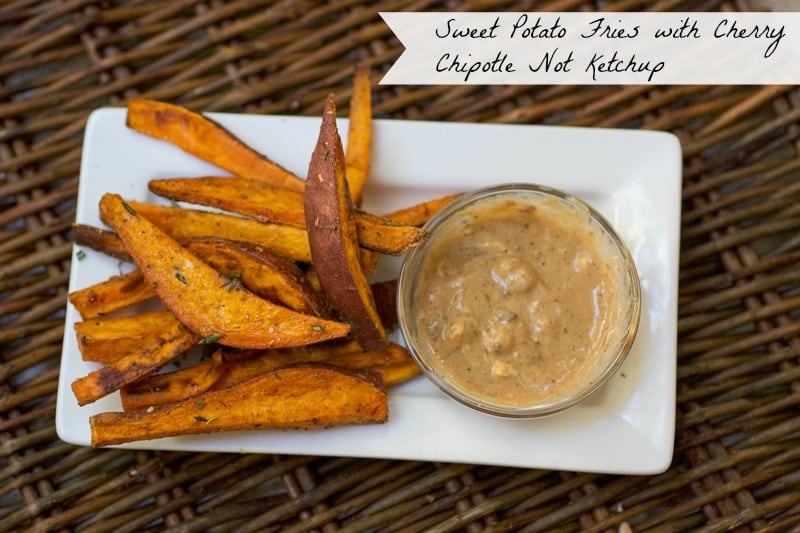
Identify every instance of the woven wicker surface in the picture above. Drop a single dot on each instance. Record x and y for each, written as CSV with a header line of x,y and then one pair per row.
x,y
737,454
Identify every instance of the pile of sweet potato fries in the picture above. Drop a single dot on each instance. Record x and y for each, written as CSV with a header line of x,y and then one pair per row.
x,y
272,285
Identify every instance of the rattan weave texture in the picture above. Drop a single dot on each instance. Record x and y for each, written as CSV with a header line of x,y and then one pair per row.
x,y
737,455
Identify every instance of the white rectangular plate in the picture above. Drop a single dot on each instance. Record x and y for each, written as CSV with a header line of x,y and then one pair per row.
x,y
632,177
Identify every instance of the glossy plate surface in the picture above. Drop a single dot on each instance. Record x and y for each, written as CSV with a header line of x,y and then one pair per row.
x,y
632,177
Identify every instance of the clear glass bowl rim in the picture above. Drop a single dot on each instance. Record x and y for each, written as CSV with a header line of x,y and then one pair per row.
x,y
412,263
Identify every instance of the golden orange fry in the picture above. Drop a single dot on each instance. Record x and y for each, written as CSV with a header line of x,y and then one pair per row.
x,y
252,198
202,137
108,339
226,369
359,135
149,357
298,396
183,224
113,294
200,296
266,274
269,204
419,214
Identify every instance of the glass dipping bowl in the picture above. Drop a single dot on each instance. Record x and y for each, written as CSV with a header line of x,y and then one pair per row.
x,y
427,339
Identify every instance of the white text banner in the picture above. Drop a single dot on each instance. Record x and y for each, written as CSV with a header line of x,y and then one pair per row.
x,y
595,48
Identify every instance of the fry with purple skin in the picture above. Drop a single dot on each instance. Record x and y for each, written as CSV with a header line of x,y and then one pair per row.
x,y
333,236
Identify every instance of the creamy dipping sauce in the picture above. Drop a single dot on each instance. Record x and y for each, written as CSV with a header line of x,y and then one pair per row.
x,y
521,302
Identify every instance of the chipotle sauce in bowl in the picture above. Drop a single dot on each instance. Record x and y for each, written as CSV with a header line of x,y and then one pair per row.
x,y
523,302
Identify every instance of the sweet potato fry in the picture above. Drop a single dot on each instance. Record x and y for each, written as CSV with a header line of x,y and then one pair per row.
x,y
359,135
226,369
182,224
187,382
392,240
113,294
101,240
268,275
386,236
301,396
204,138
252,198
373,360
269,204
197,294
399,372
173,340
371,229
333,238
415,215
105,340
171,387
418,214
